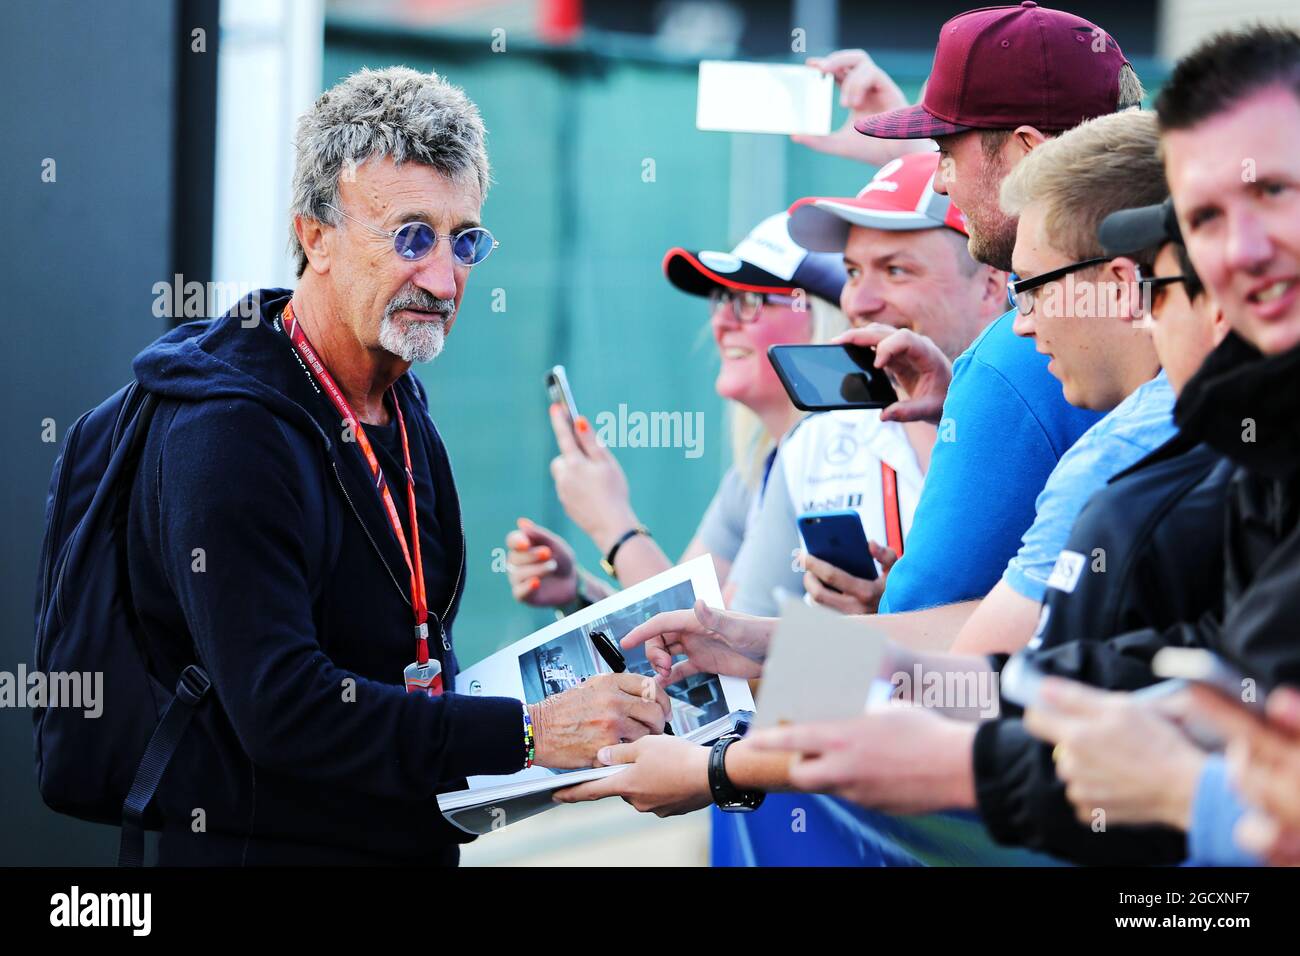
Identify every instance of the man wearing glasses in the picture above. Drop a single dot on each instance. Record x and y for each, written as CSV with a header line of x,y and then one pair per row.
x,y
295,527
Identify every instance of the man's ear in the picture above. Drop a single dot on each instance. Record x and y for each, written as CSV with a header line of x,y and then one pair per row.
x,y
993,295
1218,321
311,234
1120,286
1023,140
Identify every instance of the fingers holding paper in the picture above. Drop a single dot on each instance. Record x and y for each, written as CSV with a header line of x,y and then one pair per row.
x,y
571,727
667,776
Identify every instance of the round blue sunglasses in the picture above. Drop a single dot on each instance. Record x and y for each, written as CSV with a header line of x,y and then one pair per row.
x,y
415,240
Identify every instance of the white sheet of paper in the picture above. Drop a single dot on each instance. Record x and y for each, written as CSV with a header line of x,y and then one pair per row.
x,y
763,98
821,666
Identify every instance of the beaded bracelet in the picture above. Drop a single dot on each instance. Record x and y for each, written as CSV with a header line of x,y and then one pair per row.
x,y
530,742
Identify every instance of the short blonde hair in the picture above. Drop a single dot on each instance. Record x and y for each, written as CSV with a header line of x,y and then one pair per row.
x,y
1102,165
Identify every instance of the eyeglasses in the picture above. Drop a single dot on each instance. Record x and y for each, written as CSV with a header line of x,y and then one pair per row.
x,y
1151,289
1020,292
415,240
745,306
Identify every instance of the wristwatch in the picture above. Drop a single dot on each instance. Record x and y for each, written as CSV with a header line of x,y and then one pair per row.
x,y
725,794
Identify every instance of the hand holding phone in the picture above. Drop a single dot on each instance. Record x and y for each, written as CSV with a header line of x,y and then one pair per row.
x,y
820,378
559,393
919,368
837,538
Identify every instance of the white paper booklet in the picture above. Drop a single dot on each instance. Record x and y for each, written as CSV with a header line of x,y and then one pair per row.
x,y
560,656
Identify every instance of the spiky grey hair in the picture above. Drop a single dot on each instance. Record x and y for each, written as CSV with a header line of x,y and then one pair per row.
x,y
397,112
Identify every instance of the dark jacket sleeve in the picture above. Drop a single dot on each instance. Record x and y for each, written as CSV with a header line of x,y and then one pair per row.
x,y
233,487
1019,796
1023,803
1122,662
1262,610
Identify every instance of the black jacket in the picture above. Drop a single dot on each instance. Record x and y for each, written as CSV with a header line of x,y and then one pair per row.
x,y
1139,526
1202,574
256,537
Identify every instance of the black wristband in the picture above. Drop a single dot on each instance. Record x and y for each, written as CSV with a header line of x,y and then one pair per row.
x,y
607,562
725,795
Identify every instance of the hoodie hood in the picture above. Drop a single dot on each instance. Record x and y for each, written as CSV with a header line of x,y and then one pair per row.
x,y
1238,392
229,358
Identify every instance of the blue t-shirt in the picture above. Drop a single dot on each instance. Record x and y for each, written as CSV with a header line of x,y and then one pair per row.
x,y
1005,425
1135,427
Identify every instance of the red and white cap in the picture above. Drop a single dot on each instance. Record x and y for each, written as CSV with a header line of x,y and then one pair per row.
x,y
899,197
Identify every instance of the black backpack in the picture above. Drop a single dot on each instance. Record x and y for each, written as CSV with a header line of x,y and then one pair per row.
x,y
107,768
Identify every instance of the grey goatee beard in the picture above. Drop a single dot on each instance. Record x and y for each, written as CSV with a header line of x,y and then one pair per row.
x,y
413,341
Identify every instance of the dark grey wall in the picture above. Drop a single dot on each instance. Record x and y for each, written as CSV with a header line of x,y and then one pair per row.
x,y
96,87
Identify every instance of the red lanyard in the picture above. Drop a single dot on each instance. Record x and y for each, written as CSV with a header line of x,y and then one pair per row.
x,y
419,600
893,520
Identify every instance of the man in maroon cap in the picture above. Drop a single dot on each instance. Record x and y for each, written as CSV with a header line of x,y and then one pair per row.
x,y
1005,79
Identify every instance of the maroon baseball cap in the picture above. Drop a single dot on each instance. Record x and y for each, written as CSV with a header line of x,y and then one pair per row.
x,y
1001,67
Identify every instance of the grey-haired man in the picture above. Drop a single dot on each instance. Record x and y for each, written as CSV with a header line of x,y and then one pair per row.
x,y
299,455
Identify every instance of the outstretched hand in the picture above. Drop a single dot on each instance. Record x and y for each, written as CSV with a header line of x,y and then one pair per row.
x,y
714,642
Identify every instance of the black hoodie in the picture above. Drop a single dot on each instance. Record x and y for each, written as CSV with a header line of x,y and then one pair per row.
x,y
257,541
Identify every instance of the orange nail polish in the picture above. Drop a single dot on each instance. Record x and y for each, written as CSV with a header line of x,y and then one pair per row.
x,y
582,424
534,583
543,553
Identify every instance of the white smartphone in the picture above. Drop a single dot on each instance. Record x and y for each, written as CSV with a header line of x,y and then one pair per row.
x,y
1199,666
1020,681
559,393
740,97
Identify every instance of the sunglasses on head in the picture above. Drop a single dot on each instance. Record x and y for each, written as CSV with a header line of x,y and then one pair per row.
x,y
415,240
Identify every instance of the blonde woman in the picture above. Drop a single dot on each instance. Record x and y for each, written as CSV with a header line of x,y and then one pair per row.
x,y
767,291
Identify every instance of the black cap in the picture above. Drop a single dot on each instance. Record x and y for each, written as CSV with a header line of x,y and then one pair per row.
x,y
1132,230
767,260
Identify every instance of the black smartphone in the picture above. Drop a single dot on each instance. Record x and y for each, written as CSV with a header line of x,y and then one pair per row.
x,y
823,378
837,538
558,391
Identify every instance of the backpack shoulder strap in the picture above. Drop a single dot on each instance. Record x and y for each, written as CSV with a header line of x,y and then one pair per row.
x,y
192,686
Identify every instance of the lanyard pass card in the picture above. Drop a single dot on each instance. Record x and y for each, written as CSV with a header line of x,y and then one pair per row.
x,y
424,674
